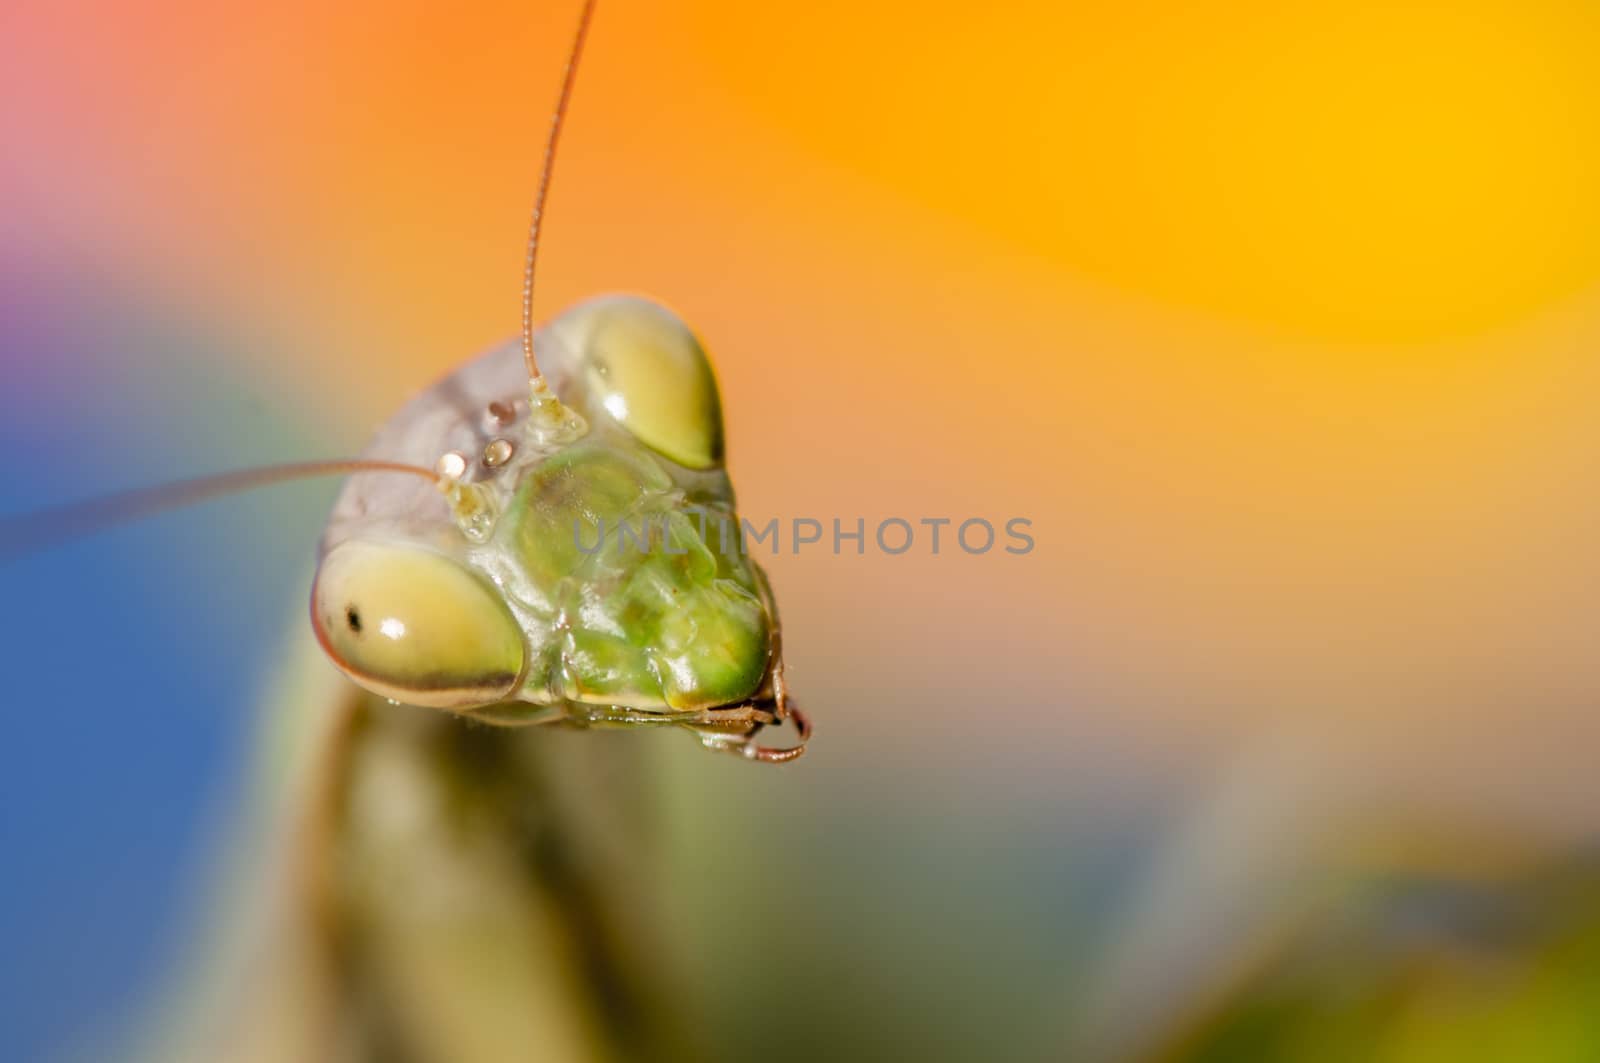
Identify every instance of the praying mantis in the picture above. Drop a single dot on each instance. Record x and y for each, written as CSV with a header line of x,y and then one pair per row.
x,y
420,887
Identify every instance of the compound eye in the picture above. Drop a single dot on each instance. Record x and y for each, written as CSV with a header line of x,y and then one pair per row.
x,y
415,626
649,372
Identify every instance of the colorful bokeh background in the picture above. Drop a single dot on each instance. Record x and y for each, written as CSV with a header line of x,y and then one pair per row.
x,y
1278,321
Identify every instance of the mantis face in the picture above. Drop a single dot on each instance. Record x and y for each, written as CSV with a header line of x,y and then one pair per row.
x,y
584,562
563,544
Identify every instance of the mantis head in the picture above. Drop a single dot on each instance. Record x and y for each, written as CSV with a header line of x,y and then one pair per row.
x,y
583,562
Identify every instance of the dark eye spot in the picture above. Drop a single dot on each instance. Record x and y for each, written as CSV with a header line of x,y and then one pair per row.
x,y
353,619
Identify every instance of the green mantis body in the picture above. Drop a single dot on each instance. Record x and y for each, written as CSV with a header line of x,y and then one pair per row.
x,y
426,876
410,887
422,886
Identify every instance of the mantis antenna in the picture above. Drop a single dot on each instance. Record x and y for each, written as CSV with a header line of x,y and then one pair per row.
x,y
35,531
567,80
